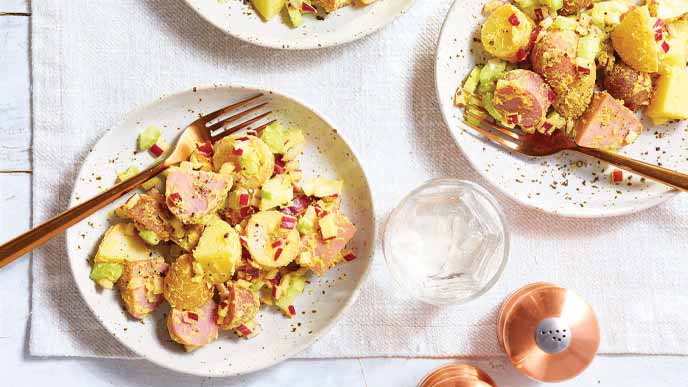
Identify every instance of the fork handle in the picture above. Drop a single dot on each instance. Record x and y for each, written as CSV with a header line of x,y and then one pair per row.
x,y
37,236
662,175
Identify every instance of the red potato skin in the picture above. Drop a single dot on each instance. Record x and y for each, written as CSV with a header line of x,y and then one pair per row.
x,y
631,86
572,7
606,123
524,93
553,57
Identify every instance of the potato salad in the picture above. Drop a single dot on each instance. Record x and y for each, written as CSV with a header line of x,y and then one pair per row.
x,y
218,236
295,9
581,66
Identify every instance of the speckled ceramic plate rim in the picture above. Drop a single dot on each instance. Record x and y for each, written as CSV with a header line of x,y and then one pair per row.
x,y
330,324
325,41
611,212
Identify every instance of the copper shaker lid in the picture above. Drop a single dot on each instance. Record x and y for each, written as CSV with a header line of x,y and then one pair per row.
x,y
549,333
457,375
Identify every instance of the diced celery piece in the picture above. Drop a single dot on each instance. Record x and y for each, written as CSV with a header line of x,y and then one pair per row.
x,y
277,191
305,226
257,286
474,116
294,16
292,287
523,4
106,271
589,47
471,82
485,88
148,137
608,13
554,5
273,137
151,183
149,237
128,173
493,69
489,106
565,23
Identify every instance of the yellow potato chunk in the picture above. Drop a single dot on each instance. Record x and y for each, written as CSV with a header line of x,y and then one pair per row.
x,y
184,288
121,243
270,243
667,9
677,40
267,9
218,251
502,38
252,161
634,41
670,98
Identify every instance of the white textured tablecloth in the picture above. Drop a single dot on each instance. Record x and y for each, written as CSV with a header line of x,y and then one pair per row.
x,y
94,60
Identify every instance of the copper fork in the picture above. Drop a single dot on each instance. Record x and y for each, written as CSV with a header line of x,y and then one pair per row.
x,y
211,127
538,144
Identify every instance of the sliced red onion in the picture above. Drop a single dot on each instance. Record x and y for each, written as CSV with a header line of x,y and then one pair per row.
x,y
174,198
243,200
292,310
278,252
276,281
156,150
617,176
288,222
658,24
551,95
665,46
276,244
305,7
243,330
583,70
513,20
279,166
245,212
659,35
349,257
521,54
206,148
539,16
192,316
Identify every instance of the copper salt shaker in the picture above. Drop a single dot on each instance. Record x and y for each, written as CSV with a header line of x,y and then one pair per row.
x,y
549,333
457,375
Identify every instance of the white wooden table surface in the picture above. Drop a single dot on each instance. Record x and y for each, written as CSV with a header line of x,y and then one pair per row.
x,y
19,368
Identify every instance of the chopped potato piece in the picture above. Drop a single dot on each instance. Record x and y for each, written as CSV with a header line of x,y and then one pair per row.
x,y
121,243
669,100
634,41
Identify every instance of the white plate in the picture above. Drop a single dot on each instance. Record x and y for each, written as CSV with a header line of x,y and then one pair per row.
x,y
554,184
239,19
326,154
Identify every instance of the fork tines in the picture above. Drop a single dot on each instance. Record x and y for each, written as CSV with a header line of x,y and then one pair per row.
x,y
250,114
